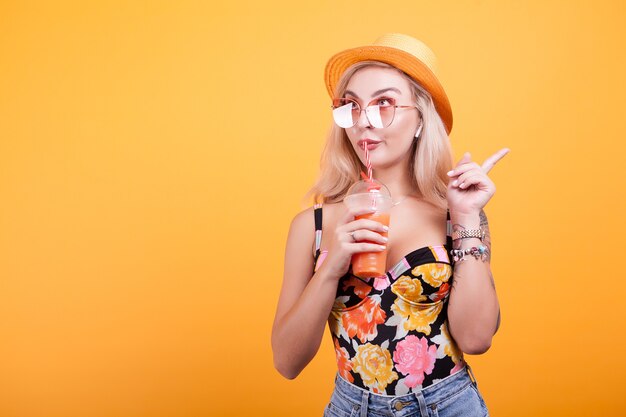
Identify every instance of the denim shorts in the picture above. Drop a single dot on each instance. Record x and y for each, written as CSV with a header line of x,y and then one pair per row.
x,y
455,395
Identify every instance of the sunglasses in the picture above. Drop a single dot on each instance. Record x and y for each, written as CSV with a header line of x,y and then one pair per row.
x,y
380,112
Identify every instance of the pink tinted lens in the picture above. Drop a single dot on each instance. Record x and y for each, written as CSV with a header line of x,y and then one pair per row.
x,y
386,115
346,113
374,116
386,109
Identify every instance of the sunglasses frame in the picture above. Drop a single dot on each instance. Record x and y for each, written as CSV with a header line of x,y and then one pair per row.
x,y
394,106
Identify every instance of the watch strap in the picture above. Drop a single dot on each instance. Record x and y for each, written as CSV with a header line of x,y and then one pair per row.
x,y
463,234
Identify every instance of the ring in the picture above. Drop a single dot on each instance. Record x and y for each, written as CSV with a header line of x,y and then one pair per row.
x,y
352,236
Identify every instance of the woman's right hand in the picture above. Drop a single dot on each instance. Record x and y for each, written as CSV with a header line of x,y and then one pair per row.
x,y
352,236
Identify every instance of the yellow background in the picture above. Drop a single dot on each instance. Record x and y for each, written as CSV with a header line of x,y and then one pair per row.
x,y
153,154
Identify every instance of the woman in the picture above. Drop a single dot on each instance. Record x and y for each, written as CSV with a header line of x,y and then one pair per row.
x,y
399,338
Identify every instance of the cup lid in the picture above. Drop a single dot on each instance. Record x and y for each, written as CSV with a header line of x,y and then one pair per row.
x,y
369,186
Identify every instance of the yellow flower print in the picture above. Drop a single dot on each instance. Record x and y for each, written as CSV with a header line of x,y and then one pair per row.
x,y
409,289
375,366
407,317
433,273
446,345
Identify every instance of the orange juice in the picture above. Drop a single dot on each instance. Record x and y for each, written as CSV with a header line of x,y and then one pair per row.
x,y
371,264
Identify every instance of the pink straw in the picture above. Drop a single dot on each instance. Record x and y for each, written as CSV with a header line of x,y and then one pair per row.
x,y
367,160
369,176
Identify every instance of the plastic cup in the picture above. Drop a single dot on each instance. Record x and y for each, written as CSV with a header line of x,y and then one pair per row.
x,y
370,195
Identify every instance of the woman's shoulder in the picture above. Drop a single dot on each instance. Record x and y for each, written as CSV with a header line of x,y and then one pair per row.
x,y
331,206
331,210
305,219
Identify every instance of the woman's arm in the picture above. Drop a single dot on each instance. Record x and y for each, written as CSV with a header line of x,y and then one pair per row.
x,y
473,309
306,297
305,301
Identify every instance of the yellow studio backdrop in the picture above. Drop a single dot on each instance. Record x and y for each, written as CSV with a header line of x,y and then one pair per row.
x,y
153,154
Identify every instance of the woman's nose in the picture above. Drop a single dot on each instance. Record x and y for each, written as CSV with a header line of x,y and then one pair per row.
x,y
363,120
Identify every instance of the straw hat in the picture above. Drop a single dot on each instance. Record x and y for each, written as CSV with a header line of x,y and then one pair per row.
x,y
403,52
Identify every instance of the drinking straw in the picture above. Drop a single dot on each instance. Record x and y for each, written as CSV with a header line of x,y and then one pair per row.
x,y
369,177
367,159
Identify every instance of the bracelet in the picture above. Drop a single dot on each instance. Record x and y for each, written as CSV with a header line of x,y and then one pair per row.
x,y
463,234
481,252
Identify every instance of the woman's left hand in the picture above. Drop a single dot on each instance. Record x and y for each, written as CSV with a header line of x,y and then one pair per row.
x,y
470,188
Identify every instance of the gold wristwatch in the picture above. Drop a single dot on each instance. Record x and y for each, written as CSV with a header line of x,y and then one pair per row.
x,y
462,234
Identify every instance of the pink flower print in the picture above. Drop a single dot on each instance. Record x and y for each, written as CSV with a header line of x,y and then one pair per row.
x,y
414,358
381,282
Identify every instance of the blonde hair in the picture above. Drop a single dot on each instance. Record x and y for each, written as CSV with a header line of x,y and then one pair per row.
x,y
431,154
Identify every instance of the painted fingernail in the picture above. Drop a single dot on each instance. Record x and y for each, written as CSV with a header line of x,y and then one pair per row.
x,y
450,173
462,185
386,228
382,247
385,239
454,183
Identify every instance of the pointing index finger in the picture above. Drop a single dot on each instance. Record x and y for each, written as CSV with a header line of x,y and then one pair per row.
x,y
491,161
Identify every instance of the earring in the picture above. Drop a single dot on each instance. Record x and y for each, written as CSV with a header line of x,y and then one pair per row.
x,y
419,131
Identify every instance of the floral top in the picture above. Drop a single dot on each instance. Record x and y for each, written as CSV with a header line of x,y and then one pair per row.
x,y
391,332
